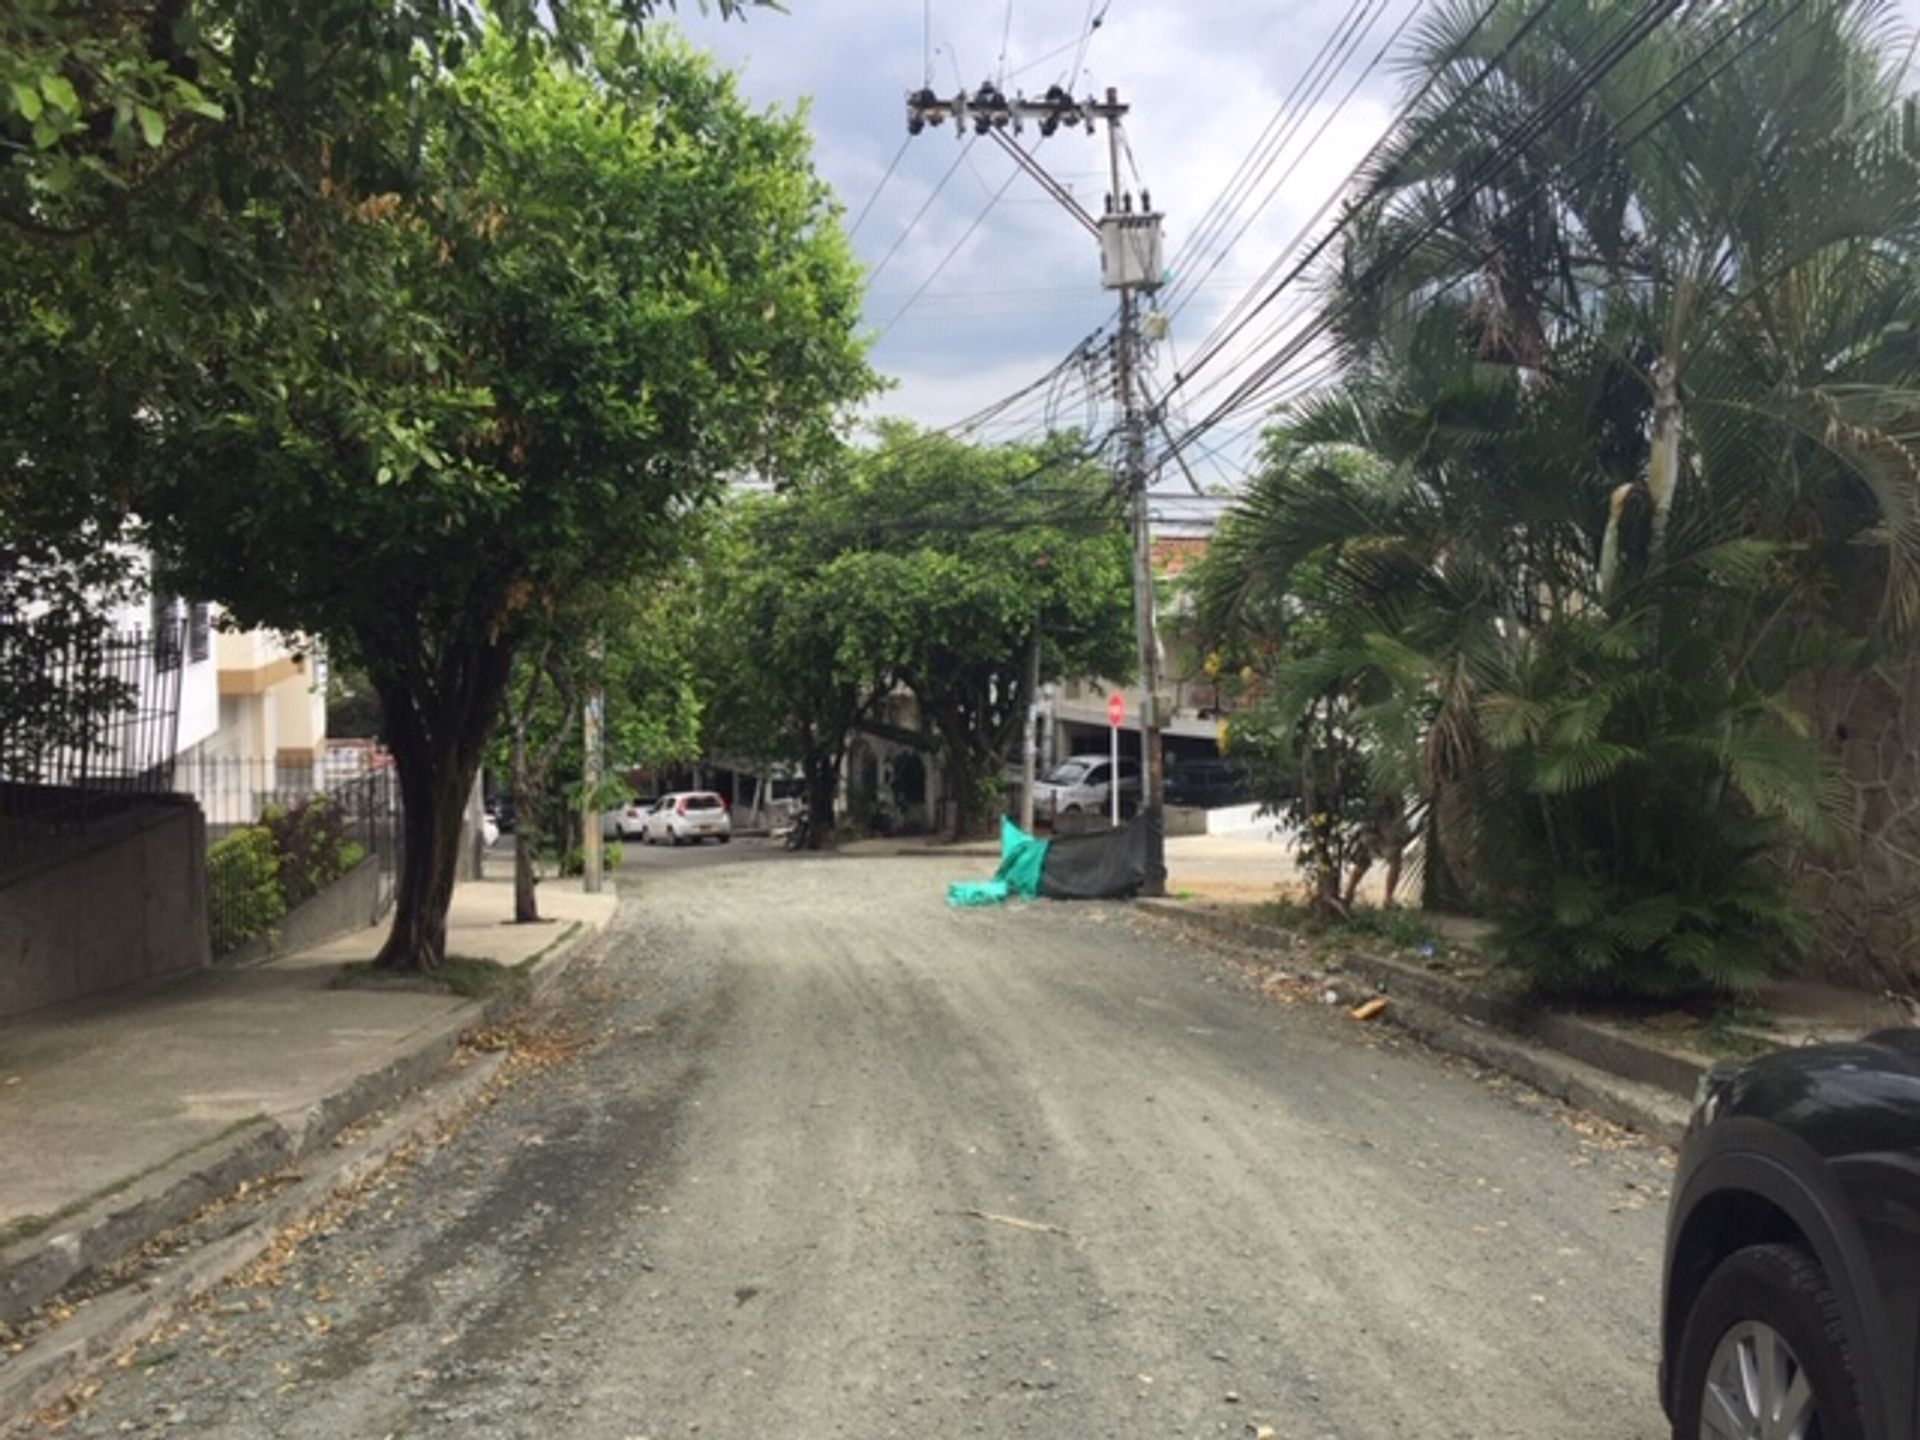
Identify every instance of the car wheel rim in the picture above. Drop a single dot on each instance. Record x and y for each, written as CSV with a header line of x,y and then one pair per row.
x,y
1757,1389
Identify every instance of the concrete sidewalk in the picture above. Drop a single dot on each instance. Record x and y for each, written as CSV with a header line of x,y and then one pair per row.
x,y
110,1105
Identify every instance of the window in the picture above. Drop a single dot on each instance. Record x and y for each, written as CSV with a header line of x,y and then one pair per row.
x,y
200,632
167,626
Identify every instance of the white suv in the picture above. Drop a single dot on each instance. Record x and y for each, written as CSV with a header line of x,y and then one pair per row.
x,y
1082,783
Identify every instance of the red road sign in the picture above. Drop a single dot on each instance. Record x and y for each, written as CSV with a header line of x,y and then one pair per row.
x,y
1116,709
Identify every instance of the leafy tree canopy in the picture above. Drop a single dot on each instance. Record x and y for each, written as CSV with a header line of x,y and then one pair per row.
x,y
557,344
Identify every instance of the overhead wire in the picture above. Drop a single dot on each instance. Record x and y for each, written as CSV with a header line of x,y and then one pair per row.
x,y
1326,122
1092,23
867,209
953,250
1570,171
920,214
1592,70
1275,134
1222,334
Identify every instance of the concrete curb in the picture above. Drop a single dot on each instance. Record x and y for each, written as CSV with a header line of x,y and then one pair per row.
x,y
49,1369
37,1268
1615,1076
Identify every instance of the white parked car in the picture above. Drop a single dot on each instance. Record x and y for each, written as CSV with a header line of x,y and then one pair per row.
x,y
625,822
688,816
1080,784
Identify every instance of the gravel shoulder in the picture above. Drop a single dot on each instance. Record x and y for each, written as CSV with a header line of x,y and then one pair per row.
x,y
836,1160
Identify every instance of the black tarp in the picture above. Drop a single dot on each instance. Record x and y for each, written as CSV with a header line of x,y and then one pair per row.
x,y
1104,865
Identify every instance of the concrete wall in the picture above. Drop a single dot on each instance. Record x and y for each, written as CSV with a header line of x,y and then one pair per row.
x,y
1864,888
121,901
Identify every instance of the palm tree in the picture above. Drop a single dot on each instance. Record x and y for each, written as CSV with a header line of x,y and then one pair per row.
x,y
1640,406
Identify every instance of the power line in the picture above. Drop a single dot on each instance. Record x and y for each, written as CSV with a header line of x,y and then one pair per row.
x,y
1571,170
1306,149
1270,374
1092,23
947,259
1590,73
867,209
1216,340
920,214
1204,227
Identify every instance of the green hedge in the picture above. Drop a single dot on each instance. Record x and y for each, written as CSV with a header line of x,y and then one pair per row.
x,y
243,887
256,875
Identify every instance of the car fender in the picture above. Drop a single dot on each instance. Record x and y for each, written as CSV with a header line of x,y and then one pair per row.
x,y
1746,1156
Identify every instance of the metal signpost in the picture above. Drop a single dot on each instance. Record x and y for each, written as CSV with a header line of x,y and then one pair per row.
x,y
1116,715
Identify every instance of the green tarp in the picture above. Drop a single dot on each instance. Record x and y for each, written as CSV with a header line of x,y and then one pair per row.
x,y
1022,858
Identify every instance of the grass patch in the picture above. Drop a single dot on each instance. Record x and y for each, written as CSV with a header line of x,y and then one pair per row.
x,y
463,975
1403,929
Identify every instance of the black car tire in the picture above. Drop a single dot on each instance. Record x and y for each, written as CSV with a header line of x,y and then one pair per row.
x,y
1783,1287
725,838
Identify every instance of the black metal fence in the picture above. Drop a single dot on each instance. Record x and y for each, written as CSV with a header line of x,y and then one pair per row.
x,y
279,832
87,717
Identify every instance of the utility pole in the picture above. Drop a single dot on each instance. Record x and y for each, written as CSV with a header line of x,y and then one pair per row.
x,y
1130,261
592,716
1029,749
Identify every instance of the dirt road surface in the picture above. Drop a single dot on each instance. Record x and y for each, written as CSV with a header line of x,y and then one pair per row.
x,y
837,1161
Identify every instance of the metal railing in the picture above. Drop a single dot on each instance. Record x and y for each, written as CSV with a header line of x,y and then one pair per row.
x,y
87,717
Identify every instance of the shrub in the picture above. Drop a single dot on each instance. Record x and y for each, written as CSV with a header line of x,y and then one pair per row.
x,y
312,845
243,887
574,862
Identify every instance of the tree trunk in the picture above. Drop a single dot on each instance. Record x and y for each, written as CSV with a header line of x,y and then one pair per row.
x,y
822,770
965,762
438,733
1663,459
526,905
433,802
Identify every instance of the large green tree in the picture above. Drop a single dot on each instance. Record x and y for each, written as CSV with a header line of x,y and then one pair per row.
x,y
927,564
170,167
561,341
791,667
966,558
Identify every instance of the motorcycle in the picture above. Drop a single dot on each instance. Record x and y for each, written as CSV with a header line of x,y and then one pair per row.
x,y
800,830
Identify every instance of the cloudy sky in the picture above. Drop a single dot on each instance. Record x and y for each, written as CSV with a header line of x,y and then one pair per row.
x,y
972,296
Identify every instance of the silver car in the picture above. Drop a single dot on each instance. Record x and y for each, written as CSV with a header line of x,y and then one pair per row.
x,y
1082,784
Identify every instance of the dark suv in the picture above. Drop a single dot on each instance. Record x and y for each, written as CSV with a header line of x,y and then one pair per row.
x,y
1208,783
1792,1295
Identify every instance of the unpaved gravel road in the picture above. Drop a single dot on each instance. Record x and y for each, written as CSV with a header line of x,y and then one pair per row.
x,y
843,1162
